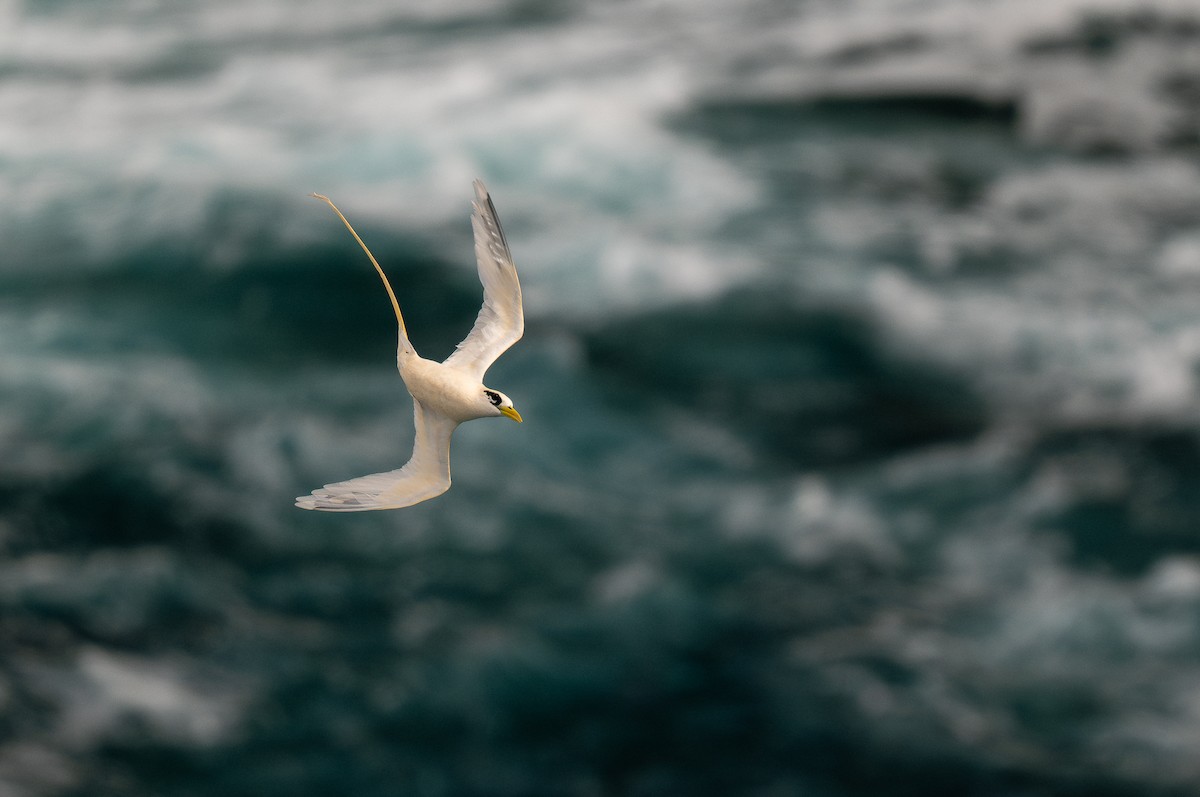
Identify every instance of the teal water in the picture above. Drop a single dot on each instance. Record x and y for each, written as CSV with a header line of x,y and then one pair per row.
x,y
859,383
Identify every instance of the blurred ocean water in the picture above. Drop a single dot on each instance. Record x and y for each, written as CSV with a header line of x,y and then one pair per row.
x,y
861,449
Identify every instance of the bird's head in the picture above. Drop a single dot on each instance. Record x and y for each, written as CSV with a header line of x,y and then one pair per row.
x,y
501,404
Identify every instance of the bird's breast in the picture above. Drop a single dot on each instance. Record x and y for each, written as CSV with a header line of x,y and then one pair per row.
x,y
442,389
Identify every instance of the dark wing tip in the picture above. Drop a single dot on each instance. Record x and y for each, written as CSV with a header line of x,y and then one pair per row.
x,y
481,193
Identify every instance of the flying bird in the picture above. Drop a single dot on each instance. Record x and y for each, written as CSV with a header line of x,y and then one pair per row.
x,y
444,394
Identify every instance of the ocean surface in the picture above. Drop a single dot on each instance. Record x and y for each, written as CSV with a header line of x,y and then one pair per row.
x,y
861,451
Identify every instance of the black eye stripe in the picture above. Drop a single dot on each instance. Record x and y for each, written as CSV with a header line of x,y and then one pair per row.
x,y
493,397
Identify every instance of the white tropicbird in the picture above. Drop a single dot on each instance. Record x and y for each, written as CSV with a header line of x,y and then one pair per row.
x,y
444,394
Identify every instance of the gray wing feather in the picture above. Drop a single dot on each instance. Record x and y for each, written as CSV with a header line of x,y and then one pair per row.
x,y
501,320
426,475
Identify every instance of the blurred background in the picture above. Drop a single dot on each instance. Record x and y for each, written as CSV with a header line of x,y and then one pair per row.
x,y
861,449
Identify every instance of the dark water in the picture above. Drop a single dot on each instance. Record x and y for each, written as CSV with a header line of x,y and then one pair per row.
x,y
861,441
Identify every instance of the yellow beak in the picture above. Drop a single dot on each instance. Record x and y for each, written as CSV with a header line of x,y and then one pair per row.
x,y
511,413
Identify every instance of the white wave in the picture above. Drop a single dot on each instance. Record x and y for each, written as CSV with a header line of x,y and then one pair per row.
x,y
368,106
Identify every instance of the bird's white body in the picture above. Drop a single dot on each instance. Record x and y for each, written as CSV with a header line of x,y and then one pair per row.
x,y
445,390
444,394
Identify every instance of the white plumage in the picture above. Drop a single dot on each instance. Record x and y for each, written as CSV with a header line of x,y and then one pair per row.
x,y
444,394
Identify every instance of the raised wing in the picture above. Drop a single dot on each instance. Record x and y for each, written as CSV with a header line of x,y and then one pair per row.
x,y
426,475
501,320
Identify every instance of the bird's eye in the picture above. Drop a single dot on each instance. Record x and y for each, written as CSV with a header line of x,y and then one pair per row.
x,y
493,397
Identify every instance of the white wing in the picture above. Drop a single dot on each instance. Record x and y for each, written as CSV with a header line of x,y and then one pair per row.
x,y
426,475
501,321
